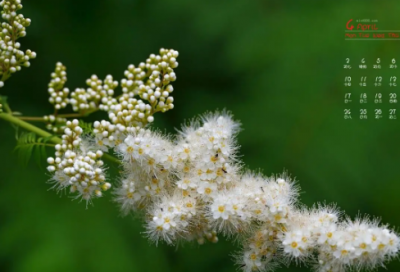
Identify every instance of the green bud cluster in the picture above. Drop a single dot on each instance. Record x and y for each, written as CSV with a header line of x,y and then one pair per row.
x,y
55,124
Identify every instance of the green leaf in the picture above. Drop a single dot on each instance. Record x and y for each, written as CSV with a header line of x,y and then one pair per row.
x,y
3,99
86,127
29,145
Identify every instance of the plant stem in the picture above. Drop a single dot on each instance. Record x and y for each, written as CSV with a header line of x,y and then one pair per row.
x,y
71,115
33,119
25,125
41,119
7,107
16,121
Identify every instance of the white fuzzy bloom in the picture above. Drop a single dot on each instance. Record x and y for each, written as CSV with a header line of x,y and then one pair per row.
x,y
170,217
192,187
259,251
187,182
200,170
129,194
78,165
361,244
298,242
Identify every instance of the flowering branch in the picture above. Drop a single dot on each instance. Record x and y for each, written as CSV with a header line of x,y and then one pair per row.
x,y
40,132
190,186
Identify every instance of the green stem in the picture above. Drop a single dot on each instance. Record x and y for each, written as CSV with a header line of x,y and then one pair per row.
x,y
41,119
32,119
71,115
7,108
25,125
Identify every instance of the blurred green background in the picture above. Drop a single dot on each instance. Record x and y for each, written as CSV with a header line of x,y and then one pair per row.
x,y
277,65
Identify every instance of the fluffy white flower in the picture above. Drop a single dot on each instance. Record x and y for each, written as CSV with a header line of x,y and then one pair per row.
x,y
207,189
78,165
192,188
297,243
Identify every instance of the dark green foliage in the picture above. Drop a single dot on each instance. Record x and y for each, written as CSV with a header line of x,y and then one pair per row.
x,y
3,99
29,145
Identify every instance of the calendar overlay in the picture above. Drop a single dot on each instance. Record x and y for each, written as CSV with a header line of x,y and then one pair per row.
x,y
370,83
371,88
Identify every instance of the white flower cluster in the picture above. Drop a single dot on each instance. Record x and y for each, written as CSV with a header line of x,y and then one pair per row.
x,y
146,90
106,135
176,183
81,100
192,188
147,173
11,57
317,236
151,82
78,165
360,244
97,93
58,94
259,250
